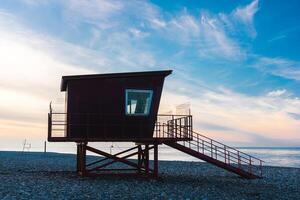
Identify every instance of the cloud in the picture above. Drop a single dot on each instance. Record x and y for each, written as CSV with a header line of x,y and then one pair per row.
x,y
277,93
295,115
246,14
285,68
276,38
237,118
33,78
157,23
208,34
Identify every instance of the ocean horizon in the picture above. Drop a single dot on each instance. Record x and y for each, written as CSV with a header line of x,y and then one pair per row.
x,y
272,156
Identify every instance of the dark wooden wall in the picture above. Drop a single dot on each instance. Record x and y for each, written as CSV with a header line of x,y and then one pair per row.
x,y
96,108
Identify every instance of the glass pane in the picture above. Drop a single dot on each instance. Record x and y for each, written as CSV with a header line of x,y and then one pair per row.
x,y
138,102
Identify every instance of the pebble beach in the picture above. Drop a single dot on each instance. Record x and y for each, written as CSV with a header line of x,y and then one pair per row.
x,y
33,175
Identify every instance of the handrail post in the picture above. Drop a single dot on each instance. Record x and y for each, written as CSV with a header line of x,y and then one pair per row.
x,y
211,148
179,128
225,153
175,127
198,143
250,167
260,167
239,160
216,153
191,118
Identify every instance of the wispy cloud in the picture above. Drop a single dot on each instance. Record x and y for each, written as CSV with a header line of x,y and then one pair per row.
x,y
279,37
208,33
119,33
247,12
238,118
277,93
285,68
246,16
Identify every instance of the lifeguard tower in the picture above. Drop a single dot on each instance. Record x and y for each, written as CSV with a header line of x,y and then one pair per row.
x,y
123,107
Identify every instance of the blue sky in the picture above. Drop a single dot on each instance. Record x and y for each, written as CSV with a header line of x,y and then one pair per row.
x,y
236,62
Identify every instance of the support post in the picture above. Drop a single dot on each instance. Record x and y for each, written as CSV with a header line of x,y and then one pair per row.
x,y
155,161
146,159
78,157
140,154
81,158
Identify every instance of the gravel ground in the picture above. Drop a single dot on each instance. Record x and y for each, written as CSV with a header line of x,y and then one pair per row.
x,y
52,176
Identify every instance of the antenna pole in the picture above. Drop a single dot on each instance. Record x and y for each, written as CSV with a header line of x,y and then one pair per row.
x,y
45,147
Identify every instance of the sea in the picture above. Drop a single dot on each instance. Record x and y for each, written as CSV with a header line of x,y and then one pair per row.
x,y
272,156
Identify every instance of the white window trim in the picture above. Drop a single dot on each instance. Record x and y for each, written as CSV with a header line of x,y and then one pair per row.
x,y
141,91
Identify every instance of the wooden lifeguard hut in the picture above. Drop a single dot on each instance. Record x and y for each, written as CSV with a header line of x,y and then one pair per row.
x,y
123,107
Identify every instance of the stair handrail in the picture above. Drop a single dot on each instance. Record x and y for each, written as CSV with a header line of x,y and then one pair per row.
x,y
229,147
224,145
230,154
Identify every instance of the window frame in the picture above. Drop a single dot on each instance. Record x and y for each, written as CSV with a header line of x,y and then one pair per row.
x,y
149,91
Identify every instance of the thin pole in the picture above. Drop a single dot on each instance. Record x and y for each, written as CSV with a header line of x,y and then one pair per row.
x,y
45,147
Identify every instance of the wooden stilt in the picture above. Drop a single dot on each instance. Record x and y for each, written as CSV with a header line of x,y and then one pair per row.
x,y
140,154
78,157
81,158
155,160
146,151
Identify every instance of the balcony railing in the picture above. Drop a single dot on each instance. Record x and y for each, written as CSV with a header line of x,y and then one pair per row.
x,y
166,126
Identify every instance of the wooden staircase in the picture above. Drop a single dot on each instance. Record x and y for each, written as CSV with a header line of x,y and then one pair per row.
x,y
218,154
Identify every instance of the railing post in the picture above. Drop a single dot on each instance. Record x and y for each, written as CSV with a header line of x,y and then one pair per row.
x,y
225,153
250,167
239,160
216,153
185,132
203,146
260,167
175,127
159,131
211,148
179,128
198,143
191,119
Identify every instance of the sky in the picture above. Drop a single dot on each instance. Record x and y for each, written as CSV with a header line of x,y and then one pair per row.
x,y
235,62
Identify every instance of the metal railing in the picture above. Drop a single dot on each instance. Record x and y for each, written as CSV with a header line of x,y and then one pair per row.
x,y
174,126
59,124
226,154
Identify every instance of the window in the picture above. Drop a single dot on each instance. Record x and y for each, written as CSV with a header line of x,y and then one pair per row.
x,y
138,102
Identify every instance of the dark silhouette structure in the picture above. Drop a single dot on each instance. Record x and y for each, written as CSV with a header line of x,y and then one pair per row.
x,y
123,107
